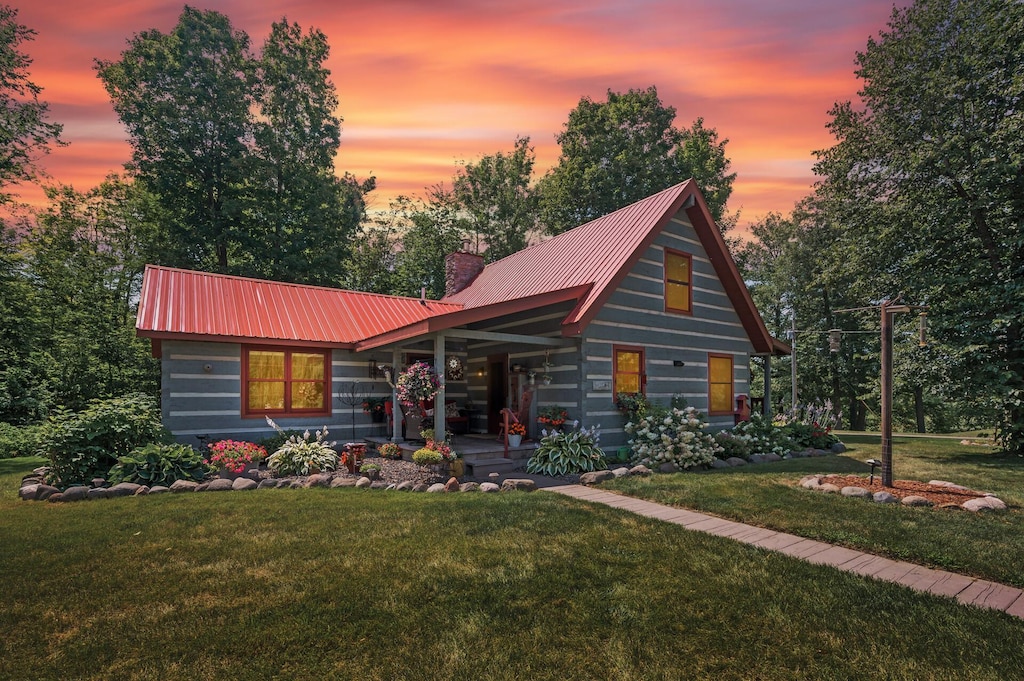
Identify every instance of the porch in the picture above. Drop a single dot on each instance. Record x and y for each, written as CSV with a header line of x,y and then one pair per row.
x,y
483,454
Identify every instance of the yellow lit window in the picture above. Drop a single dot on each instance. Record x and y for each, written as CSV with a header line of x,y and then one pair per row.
x,y
628,370
678,289
720,384
285,382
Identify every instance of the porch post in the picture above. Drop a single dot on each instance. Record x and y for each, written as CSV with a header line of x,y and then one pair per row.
x,y
396,411
441,369
766,406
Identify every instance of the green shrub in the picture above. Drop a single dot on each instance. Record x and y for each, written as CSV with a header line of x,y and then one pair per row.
x,y
427,456
159,464
566,452
810,425
301,456
764,436
18,440
84,445
733,445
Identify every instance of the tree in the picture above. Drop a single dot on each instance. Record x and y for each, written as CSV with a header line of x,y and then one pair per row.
x,y
496,197
619,151
435,230
936,148
24,130
302,216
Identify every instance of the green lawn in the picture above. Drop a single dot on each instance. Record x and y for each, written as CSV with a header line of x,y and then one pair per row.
x,y
985,545
349,583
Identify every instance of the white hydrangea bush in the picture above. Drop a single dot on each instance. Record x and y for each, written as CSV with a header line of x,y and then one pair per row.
x,y
674,436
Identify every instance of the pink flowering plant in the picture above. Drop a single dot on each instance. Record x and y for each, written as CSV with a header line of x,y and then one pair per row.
x,y
234,455
417,383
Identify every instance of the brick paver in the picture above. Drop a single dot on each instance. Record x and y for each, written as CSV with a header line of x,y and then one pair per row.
x,y
967,590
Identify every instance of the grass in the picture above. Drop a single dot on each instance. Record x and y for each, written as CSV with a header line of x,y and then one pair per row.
x,y
987,545
346,583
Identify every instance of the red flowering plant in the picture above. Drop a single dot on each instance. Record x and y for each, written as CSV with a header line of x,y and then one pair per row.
x,y
553,416
516,429
417,383
234,455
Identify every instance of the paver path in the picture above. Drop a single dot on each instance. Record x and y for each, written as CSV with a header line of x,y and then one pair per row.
x,y
967,590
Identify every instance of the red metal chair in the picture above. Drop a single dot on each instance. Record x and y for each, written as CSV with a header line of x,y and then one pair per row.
x,y
509,417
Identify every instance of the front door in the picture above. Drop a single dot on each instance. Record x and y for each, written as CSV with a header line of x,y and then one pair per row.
x,y
497,387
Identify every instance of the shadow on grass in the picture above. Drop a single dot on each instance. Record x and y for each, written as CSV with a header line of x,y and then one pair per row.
x,y
819,464
21,465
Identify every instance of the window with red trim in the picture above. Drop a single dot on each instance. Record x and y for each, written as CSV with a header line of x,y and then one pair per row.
x,y
720,390
285,381
678,282
628,370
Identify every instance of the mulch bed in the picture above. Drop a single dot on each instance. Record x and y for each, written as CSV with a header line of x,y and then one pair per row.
x,y
936,494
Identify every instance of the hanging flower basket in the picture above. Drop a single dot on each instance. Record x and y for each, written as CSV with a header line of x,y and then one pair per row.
x,y
417,383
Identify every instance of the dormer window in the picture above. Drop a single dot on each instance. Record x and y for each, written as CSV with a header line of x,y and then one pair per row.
x,y
678,282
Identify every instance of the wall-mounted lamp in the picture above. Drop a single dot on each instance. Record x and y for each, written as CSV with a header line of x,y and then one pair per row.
x,y
207,367
678,363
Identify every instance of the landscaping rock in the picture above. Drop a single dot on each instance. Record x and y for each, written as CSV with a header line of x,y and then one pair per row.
x,y
31,480
666,468
953,506
391,487
771,457
620,472
452,485
123,489
436,488
489,487
364,483
837,448
469,487
220,485
296,484
718,463
28,492
592,478
183,486
885,498
159,489
267,484
523,484
244,484
343,482
810,482
42,471
44,492
97,493
142,491
405,486
55,498
853,491
984,504
420,487
736,461
641,470
915,500
378,484
948,485
317,480
829,488
76,493
756,458
98,482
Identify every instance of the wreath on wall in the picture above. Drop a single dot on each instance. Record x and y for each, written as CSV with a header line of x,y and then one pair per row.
x,y
454,369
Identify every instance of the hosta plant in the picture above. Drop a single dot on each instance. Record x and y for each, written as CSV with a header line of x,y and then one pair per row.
x,y
159,464
566,452
302,456
671,436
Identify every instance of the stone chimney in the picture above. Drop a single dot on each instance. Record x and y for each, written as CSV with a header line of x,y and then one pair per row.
x,y
460,269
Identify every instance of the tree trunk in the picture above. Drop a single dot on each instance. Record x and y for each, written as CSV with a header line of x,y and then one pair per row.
x,y
919,407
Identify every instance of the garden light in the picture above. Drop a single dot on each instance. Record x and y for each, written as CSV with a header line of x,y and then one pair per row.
x,y
873,463
834,335
922,329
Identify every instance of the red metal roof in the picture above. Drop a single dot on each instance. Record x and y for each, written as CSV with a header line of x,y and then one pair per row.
x,y
201,305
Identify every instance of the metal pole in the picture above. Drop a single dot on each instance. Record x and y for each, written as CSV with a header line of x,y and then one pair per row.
x,y
792,363
886,395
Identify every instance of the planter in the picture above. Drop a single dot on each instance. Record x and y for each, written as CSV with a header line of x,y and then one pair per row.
x,y
515,440
251,471
458,468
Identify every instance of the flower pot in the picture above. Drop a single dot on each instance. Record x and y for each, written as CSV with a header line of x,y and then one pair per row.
x,y
251,471
515,440
458,468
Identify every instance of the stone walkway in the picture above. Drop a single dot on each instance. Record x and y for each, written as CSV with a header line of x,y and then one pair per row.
x,y
967,590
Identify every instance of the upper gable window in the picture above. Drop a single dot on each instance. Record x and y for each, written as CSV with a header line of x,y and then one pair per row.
x,y
678,282
285,382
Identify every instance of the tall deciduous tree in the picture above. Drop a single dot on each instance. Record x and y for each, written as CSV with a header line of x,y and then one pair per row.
x,y
24,130
936,147
185,98
622,150
495,195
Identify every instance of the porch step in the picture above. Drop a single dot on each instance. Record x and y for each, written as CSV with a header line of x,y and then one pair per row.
x,y
480,468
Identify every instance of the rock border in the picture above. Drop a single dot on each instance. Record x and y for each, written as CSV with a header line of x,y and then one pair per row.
x,y
34,488
989,502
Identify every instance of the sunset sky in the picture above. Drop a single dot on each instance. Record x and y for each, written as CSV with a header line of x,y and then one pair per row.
x,y
423,85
